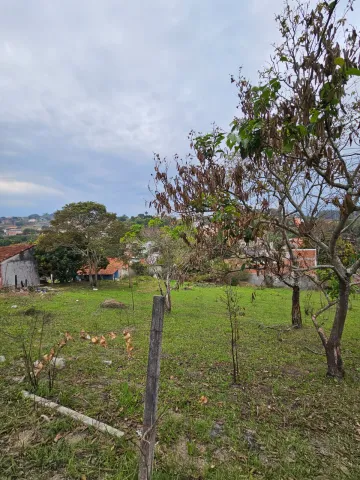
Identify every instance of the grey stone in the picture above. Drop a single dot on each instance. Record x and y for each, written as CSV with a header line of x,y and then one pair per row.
x,y
58,362
250,437
216,430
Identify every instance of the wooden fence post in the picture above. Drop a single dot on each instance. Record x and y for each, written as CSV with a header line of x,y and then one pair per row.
x,y
147,444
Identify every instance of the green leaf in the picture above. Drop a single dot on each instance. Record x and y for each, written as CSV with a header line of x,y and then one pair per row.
x,y
287,146
339,61
243,266
269,152
314,116
231,140
302,130
353,71
283,58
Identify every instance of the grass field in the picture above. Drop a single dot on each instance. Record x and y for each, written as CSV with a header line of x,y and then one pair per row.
x,y
285,420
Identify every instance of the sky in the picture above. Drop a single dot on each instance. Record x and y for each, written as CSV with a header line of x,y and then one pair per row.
x,y
90,89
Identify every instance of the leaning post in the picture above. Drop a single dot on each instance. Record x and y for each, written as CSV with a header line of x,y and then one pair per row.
x,y
147,444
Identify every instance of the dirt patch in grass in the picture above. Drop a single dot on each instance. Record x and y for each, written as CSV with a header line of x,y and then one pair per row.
x,y
22,439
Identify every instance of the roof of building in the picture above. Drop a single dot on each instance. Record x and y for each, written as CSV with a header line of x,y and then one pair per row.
x,y
114,265
12,250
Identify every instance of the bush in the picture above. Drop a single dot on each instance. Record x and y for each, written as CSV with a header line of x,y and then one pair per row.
x,y
139,268
236,278
269,281
204,278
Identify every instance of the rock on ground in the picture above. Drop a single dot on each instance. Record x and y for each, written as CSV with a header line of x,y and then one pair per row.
x,y
111,303
58,362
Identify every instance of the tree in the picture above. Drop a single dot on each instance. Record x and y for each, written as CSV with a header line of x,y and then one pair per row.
x,y
62,263
162,248
295,148
166,254
86,228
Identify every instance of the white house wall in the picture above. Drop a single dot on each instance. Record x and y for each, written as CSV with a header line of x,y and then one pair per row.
x,y
23,266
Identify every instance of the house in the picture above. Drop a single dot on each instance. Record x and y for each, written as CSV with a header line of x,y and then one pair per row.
x,y
306,259
266,270
115,270
18,266
13,230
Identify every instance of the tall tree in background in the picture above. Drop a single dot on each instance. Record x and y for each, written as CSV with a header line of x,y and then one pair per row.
x,y
85,227
61,264
295,147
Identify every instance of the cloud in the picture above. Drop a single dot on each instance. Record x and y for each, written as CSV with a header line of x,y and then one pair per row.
x,y
14,187
90,89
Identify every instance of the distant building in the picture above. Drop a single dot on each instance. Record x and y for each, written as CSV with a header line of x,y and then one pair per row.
x,y
115,270
18,266
306,260
13,230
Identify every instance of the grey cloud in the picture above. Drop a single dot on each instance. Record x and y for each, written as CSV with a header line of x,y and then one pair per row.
x,y
89,89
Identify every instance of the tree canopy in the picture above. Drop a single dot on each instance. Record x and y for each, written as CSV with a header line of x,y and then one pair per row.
x,y
291,154
85,227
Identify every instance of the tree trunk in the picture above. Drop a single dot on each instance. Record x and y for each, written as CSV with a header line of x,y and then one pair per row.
x,y
296,311
333,351
168,294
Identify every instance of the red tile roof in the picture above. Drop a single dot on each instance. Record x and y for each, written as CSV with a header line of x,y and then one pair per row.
x,y
114,265
12,250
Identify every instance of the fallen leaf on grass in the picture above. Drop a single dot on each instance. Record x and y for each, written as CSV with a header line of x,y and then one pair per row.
x,y
84,335
127,338
68,336
58,437
49,356
38,366
102,341
112,335
95,340
203,400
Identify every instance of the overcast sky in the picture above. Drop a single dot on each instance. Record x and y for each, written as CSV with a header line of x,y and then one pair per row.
x,y
89,89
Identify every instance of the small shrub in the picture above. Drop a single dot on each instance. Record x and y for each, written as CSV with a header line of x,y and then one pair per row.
x,y
236,278
139,268
269,281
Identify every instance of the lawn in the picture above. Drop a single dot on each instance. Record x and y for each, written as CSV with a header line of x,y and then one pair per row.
x,y
285,420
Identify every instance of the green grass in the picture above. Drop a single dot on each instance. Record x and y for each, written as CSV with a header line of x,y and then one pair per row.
x,y
285,421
